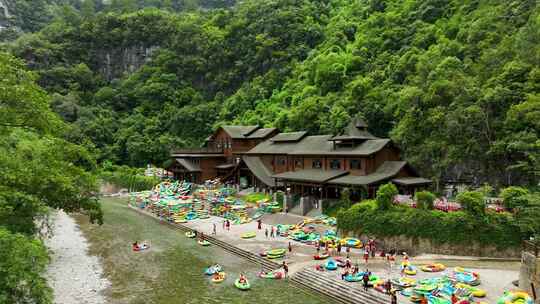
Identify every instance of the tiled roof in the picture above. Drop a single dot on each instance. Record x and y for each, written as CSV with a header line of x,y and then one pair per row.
x,y
311,175
385,171
189,166
289,136
257,167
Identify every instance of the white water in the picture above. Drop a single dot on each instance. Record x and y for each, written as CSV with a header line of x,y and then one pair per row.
x,y
74,275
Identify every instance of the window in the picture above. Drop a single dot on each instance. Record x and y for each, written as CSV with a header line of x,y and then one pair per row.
x,y
316,164
356,164
335,164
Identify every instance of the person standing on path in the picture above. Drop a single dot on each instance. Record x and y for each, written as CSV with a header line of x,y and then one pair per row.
x,y
366,256
272,232
285,269
224,222
348,250
266,233
290,247
365,278
339,248
393,297
214,228
228,225
259,224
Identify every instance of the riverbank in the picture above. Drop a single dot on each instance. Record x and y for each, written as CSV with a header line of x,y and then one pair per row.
x,y
496,275
74,275
172,270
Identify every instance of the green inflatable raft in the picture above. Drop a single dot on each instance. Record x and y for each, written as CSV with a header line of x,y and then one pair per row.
x,y
242,286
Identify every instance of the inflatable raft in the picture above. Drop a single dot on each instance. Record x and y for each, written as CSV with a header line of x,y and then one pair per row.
x,y
242,286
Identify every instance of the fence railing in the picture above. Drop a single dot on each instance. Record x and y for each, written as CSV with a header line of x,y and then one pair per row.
x,y
200,150
531,247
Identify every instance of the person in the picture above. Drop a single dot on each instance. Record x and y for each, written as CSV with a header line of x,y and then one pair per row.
x,y
224,222
290,247
214,232
228,225
423,299
372,247
259,224
285,269
348,250
135,245
347,263
388,286
339,248
366,256
393,297
365,279
266,233
272,232
242,278
344,274
454,299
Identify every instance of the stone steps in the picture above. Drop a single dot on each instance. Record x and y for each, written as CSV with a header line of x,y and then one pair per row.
x,y
341,292
266,264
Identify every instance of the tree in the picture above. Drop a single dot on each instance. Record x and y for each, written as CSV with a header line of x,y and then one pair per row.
x,y
424,199
346,198
472,202
88,8
23,103
23,260
385,196
514,197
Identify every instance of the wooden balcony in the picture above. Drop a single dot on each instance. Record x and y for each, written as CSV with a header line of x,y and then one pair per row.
x,y
200,150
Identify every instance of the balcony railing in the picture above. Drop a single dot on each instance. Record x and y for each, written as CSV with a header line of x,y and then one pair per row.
x,y
200,150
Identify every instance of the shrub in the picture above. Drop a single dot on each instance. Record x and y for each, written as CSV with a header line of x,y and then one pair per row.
x,y
424,199
440,227
472,202
513,197
131,178
385,196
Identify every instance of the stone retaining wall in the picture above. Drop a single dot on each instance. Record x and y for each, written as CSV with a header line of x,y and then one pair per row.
x,y
417,246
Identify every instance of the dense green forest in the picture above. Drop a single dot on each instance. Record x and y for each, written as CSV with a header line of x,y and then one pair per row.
x,y
454,83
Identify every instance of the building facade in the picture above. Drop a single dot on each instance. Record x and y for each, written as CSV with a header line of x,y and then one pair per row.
x,y
318,166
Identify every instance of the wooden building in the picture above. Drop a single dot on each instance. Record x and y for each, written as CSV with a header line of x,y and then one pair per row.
x,y
322,165
219,157
318,165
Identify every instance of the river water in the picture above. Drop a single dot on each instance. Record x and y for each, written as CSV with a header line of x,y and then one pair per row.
x,y
172,270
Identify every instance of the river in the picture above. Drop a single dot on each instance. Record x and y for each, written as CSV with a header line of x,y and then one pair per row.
x,y
172,270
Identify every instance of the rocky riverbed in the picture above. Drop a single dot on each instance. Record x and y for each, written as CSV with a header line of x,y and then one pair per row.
x,y
74,275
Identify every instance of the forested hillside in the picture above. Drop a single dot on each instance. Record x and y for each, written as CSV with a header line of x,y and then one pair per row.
x,y
455,83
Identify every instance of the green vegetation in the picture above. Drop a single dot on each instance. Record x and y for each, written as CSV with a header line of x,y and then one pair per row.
x,y
424,199
454,83
132,179
40,170
462,227
385,196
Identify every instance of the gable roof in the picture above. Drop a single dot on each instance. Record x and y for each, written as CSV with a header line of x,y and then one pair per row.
x,y
318,145
356,129
239,132
257,167
189,166
409,181
289,136
311,175
385,171
261,133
